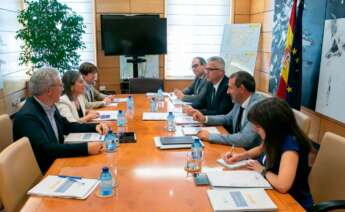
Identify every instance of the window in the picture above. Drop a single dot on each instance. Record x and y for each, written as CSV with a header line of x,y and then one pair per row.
x,y
85,9
195,28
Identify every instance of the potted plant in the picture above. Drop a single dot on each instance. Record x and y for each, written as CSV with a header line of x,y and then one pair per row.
x,y
51,33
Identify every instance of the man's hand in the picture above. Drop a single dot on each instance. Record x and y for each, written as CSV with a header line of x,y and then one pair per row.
x,y
178,93
95,147
102,128
203,134
107,99
189,110
198,116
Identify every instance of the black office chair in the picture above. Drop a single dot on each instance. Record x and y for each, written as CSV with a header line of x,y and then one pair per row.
x,y
144,85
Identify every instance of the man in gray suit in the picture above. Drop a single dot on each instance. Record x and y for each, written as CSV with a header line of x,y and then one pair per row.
x,y
198,87
241,87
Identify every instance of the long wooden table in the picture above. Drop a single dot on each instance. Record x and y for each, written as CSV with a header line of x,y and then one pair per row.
x,y
149,179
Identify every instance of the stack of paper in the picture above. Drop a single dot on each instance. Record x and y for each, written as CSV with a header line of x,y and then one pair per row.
x,y
185,120
235,165
237,179
154,116
155,94
73,138
65,187
194,130
107,115
118,100
240,200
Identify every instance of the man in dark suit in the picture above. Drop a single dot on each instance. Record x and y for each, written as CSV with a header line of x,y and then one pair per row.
x,y
215,100
197,89
41,122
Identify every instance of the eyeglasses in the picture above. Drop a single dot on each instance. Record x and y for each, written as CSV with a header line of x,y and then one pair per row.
x,y
212,69
195,66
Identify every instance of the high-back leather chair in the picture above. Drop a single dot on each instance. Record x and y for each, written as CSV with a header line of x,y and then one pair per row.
x,y
144,85
19,172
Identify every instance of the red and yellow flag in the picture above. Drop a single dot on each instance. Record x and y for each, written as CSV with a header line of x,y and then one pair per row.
x,y
282,88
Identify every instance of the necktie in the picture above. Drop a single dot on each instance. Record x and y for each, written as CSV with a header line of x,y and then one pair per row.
x,y
213,95
239,120
90,95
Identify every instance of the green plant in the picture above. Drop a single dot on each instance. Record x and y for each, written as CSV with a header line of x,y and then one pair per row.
x,y
51,33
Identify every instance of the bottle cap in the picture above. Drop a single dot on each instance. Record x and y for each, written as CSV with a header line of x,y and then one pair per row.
x,y
105,169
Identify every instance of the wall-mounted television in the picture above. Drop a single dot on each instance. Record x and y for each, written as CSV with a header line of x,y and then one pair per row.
x,y
133,35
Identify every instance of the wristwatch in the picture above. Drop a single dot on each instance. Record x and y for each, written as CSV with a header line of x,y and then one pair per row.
x,y
264,172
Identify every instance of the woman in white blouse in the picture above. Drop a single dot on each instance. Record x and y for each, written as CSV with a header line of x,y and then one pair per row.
x,y
72,102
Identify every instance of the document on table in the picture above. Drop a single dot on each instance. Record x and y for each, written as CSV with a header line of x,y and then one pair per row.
x,y
235,165
73,138
107,115
155,94
240,200
118,100
238,179
194,130
154,116
158,144
65,187
185,120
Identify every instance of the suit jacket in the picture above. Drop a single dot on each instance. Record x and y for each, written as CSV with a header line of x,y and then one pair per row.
x,y
222,103
196,90
246,138
68,109
31,121
96,100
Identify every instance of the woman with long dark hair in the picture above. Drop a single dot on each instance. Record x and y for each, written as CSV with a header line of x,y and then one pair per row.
x,y
283,154
72,104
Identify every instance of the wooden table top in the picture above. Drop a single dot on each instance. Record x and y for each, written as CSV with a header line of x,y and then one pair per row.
x,y
149,179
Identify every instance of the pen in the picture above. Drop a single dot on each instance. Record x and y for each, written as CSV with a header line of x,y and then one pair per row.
x,y
232,149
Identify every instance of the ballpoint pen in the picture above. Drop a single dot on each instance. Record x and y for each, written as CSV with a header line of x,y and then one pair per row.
x,y
232,149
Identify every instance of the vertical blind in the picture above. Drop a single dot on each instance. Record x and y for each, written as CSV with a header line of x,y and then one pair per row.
x,y
85,9
194,28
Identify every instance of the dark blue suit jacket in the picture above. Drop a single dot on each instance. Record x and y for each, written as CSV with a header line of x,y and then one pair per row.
x,y
222,103
31,121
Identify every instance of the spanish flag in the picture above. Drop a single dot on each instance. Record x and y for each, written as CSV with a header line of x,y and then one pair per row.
x,y
291,73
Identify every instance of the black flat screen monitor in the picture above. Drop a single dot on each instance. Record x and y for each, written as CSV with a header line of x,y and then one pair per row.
x,y
133,35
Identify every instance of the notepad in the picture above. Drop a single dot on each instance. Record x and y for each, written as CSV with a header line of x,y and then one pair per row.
x,y
194,130
235,165
118,100
159,145
238,179
183,119
73,138
107,115
154,116
64,187
240,200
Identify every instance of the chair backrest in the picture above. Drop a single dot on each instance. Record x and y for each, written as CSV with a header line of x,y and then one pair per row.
x,y
19,172
143,85
327,175
303,121
6,135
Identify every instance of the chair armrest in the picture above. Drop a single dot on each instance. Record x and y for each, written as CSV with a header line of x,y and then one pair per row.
x,y
329,205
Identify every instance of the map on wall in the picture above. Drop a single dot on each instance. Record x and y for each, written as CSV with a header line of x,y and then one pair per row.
x,y
240,46
331,96
148,69
313,23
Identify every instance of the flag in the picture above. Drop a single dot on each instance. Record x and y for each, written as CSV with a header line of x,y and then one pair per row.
x,y
291,74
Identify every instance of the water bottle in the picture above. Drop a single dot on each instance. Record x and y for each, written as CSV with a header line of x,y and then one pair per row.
x,y
121,119
196,149
110,141
160,94
130,103
171,122
153,104
106,183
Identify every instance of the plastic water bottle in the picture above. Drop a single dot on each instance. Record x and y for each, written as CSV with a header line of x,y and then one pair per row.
x,y
160,94
121,119
106,183
196,149
153,104
130,103
110,141
171,122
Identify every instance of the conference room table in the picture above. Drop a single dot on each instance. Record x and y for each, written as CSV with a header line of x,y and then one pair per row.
x,y
149,179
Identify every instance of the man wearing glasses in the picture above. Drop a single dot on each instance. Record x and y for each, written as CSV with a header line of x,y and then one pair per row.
x,y
215,100
198,87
